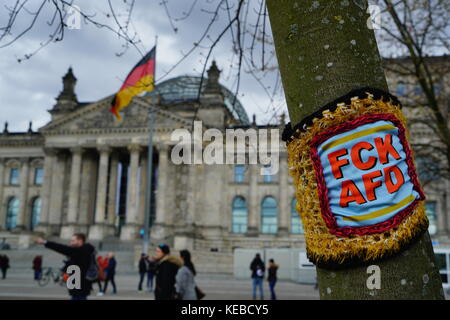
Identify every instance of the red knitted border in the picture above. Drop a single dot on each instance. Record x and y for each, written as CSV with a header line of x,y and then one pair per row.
x,y
327,215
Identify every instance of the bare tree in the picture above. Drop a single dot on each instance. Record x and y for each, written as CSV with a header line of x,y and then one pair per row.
x,y
56,13
415,35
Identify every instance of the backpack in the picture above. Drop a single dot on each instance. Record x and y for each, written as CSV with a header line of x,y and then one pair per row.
x,y
92,272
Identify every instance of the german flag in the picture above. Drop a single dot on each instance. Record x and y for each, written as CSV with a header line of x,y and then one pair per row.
x,y
141,78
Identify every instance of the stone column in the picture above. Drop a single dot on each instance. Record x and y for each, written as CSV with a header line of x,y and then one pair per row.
x,y
439,212
100,229
184,236
112,192
2,201
86,216
49,160
57,193
446,208
142,181
130,230
74,194
252,204
23,194
161,224
283,194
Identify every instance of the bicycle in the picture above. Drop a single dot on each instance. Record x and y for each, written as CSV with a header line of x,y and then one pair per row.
x,y
47,274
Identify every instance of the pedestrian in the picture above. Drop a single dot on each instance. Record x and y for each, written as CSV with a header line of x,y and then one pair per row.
x,y
257,267
102,264
4,265
185,284
166,271
151,269
110,272
272,278
37,267
80,254
143,267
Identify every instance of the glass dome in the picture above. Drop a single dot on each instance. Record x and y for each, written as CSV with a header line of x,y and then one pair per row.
x,y
185,88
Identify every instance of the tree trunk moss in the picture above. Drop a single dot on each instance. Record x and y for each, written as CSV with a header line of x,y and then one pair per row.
x,y
324,50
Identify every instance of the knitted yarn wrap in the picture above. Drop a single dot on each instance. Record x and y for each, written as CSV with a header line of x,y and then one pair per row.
x,y
333,249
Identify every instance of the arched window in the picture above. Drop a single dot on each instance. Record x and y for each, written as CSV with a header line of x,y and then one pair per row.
x,y
239,215
296,221
11,213
35,212
269,215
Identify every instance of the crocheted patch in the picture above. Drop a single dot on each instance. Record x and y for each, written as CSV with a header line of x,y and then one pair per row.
x,y
356,185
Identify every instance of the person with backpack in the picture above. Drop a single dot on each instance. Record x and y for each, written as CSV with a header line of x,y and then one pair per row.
x,y
37,267
102,263
4,265
110,272
272,278
81,254
151,269
257,267
143,268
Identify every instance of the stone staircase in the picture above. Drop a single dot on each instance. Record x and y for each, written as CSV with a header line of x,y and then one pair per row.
x,y
21,259
127,255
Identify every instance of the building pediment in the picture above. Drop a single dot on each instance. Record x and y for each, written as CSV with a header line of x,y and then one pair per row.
x,y
96,117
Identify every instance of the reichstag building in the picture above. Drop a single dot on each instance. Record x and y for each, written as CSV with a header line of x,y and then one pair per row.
x,y
86,172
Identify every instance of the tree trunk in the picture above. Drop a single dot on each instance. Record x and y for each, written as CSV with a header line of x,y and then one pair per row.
x,y
324,50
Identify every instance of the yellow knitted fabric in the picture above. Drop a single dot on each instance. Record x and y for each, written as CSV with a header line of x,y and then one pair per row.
x,y
324,248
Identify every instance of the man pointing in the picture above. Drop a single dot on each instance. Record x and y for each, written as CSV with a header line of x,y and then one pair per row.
x,y
79,253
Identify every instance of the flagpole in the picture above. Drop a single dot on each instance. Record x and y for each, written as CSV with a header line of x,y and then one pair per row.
x,y
148,192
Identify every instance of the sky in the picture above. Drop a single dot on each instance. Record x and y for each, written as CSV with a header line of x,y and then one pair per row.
x,y
29,88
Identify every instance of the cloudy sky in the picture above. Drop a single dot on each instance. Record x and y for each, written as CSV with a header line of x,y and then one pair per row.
x,y
29,88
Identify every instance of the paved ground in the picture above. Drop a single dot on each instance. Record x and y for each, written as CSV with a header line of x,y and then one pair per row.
x,y
216,287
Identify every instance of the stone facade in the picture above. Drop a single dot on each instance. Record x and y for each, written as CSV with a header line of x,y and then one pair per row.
x,y
93,175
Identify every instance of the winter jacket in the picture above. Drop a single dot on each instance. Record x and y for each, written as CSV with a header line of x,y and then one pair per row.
x,y
143,265
272,272
185,284
110,270
254,267
80,256
4,262
37,264
166,272
151,266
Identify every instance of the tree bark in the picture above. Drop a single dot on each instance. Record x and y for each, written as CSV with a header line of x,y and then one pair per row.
x,y
324,50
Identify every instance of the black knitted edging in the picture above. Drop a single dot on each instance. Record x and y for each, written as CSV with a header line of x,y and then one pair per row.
x,y
290,133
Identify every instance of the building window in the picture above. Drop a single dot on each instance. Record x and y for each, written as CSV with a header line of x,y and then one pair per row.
x,y
428,168
14,176
418,90
430,209
35,212
437,88
267,174
269,215
401,88
296,221
11,213
38,175
239,173
239,215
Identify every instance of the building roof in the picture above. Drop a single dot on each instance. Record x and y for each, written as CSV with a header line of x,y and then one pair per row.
x,y
185,88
